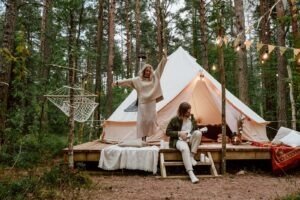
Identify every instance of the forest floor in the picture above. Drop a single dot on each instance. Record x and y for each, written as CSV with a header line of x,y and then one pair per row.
x,y
136,185
237,184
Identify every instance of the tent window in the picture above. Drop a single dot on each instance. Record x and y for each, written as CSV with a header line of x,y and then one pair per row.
x,y
133,107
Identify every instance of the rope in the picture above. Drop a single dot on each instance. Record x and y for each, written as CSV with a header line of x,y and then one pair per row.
x,y
271,128
297,121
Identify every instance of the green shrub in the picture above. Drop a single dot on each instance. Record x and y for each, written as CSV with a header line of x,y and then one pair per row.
x,y
64,177
17,189
292,197
32,150
47,186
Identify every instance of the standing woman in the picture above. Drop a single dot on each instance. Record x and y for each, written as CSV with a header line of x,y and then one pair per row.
x,y
149,92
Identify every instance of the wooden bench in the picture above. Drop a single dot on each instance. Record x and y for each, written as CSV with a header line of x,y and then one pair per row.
x,y
164,163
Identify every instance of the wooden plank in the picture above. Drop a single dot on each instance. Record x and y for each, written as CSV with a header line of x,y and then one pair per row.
x,y
80,157
90,151
93,157
247,155
173,163
163,171
212,167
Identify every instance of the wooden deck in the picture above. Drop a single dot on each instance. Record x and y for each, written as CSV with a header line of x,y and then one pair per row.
x,y
90,152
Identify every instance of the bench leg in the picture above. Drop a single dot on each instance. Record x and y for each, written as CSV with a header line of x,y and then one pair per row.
x,y
163,171
213,170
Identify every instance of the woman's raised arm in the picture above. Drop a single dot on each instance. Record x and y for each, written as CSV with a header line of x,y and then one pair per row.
x,y
161,66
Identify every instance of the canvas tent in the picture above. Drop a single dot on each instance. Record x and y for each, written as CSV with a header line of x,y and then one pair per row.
x,y
185,80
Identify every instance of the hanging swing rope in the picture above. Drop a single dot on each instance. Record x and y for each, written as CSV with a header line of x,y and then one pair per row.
x,y
84,102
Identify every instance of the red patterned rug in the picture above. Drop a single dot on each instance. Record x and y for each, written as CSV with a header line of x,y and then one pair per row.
x,y
283,157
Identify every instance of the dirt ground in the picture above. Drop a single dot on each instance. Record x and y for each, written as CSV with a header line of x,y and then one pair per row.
x,y
248,186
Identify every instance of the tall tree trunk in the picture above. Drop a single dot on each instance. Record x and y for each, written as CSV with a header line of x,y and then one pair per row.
x,y
267,75
45,55
295,28
77,42
137,35
128,40
164,13
159,26
5,64
99,41
203,36
195,45
281,67
89,67
220,31
291,92
241,62
110,65
296,37
72,65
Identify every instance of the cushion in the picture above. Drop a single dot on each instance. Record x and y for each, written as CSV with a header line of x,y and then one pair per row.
x,y
282,132
132,143
292,139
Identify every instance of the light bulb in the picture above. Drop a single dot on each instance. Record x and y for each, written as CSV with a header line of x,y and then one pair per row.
x,y
214,67
265,56
219,41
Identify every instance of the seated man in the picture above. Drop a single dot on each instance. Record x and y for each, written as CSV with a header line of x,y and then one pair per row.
x,y
183,132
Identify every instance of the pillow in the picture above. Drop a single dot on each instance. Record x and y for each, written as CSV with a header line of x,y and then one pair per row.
x,y
132,143
292,139
282,132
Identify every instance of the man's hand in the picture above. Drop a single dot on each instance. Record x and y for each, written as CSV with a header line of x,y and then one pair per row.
x,y
183,135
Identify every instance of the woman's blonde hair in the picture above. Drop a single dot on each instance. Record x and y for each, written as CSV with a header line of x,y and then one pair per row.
x,y
141,72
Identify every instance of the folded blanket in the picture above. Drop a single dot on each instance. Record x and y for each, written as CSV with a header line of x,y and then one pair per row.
x,y
283,157
116,157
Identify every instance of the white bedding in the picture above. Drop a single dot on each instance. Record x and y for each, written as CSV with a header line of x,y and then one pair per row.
x,y
116,157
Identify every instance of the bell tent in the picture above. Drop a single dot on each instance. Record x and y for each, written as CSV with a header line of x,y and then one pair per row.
x,y
184,79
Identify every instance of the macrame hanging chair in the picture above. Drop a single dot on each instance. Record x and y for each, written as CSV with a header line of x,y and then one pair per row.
x,y
84,102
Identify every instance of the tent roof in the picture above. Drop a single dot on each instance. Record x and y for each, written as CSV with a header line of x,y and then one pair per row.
x,y
181,69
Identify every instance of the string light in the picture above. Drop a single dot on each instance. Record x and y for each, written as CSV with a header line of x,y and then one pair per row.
x,y
214,67
238,48
201,75
265,56
298,59
219,41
